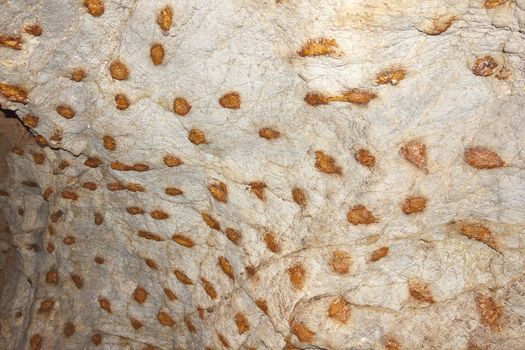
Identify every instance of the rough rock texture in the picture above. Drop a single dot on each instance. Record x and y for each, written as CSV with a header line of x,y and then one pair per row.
x,y
264,174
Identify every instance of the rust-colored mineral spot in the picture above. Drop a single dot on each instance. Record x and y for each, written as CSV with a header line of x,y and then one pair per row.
x,y
69,329
151,264
183,240
136,324
219,191
299,196
30,121
38,158
440,25
297,275
420,291
391,76
52,277
99,260
484,66
364,157
242,323
231,100
157,54
271,242
391,343
340,262
339,309
93,162
181,106
359,215
234,236
315,99
211,221
318,47
140,295
121,102
50,248
171,160
104,304
69,240
482,158
226,267
479,233
173,191
490,312
118,70
197,137
165,319
303,333
134,187
109,142
96,339
416,153
18,151
165,18
170,294
41,140
35,343
268,133
189,325
412,205
78,74
65,111
159,215
208,288
46,306
116,186
94,7
257,188
135,210
326,164
223,340
354,96
150,235
181,276
262,304
379,253
12,42
491,4
77,281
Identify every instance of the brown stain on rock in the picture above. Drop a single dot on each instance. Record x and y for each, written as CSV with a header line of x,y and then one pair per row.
x,y
420,291
340,262
482,158
12,42
365,158
181,106
354,96
271,242
415,152
490,312
231,100
339,309
219,191
479,233
234,236
165,319
269,133
211,221
257,188
302,332
121,102
379,253
326,163
197,136
484,66
183,240
140,295
297,275
157,54
318,47
226,267
208,288
391,76
165,18
492,4
182,277
94,7
360,215
413,205
242,323
118,70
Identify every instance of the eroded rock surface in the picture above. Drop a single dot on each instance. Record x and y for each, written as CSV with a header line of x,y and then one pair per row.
x,y
264,174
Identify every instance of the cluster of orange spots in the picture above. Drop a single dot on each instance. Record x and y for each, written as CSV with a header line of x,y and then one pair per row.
x,y
302,332
226,267
182,277
490,4
197,136
318,47
30,121
183,240
415,152
165,319
104,304
13,42
93,162
96,339
118,70
94,7
231,100
271,242
391,76
139,167
326,164
140,295
484,66
257,188
12,92
297,275
482,158
490,312
38,157
234,236
219,191
150,235
121,102
355,96
211,221
360,215
208,288
268,133
391,343
242,323
379,253
77,280
364,157
412,205
33,29
78,74
71,195
479,233
339,309
340,262
420,291
165,18
181,106
65,111
157,54
46,306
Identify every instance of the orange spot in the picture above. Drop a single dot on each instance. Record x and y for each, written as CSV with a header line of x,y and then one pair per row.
x,y
118,70
99,260
181,276
38,158
157,54
412,205
242,323
262,304
140,295
484,66
169,294
171,160
269,134
69,240
379,253
479,233
219,191
271,242
303,333
78,74
135,210
326,163
416,153
99,218
181,106
226,267
30,121
340,262
197,137
209,289
299,196
150,236
65,111
136,324
13,42
189,325
70,195
340,310
211,221
482,158
165,18
35,343
420,291
359,215
318,47
159,215
231,100
133,187
165,319
46,306
77,280
173,191
233,235
94,7
391,344
121,102
315,99
151,264
183,240
258,188
490,312
109,143
297,275
391,76
223,340
90,186
69,329
96,339
92,162
364,157
116,186
104,304
491,4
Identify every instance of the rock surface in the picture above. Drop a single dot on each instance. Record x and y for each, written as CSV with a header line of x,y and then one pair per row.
x,y
264,174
